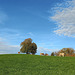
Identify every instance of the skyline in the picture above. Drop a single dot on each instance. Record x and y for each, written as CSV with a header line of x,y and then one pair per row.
x,y
50,24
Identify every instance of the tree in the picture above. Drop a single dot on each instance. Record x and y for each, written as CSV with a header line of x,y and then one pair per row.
x,y
33,48
70,51
52,54
56,53
66,51
28,47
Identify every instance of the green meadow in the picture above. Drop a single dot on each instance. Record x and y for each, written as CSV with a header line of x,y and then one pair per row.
x,y
22,64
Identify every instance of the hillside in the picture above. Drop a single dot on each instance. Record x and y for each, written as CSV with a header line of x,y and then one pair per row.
x,y
21,64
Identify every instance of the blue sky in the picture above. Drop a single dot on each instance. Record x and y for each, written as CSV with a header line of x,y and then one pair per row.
x,y
50,24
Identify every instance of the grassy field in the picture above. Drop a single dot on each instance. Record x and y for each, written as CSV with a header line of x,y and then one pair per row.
x,y
22,64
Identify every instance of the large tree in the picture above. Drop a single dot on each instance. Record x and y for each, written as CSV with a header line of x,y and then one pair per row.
x,y
28,47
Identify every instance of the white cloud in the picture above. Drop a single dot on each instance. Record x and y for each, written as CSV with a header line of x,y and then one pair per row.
x,y
8,49
65,18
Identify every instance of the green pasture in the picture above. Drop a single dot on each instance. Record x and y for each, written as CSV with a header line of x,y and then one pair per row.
x,y
22,64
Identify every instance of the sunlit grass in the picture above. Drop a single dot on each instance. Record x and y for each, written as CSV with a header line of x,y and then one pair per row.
x,y
22,64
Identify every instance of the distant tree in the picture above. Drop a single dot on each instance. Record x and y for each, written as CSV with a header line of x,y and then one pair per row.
x,y
52,54
28,47
70,51
56,53
66,51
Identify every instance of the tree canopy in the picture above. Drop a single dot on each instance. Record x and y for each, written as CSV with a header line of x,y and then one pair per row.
x,y
28,47
68,51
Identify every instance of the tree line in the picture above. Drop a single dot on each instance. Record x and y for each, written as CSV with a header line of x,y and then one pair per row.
x,y
66,51
29,47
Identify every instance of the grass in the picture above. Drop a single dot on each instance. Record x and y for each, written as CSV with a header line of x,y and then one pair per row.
x,y
22,64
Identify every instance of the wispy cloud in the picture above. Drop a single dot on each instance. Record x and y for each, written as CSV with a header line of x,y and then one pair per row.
x,y
8,49
65,18
46,50
30,33
10,40
7,38
10,33
52,45
14,35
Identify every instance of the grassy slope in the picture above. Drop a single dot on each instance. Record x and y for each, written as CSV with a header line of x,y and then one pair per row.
x,y
21,64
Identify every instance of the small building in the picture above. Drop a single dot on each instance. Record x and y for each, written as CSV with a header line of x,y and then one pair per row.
x,y
61,54
41,53
18,52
